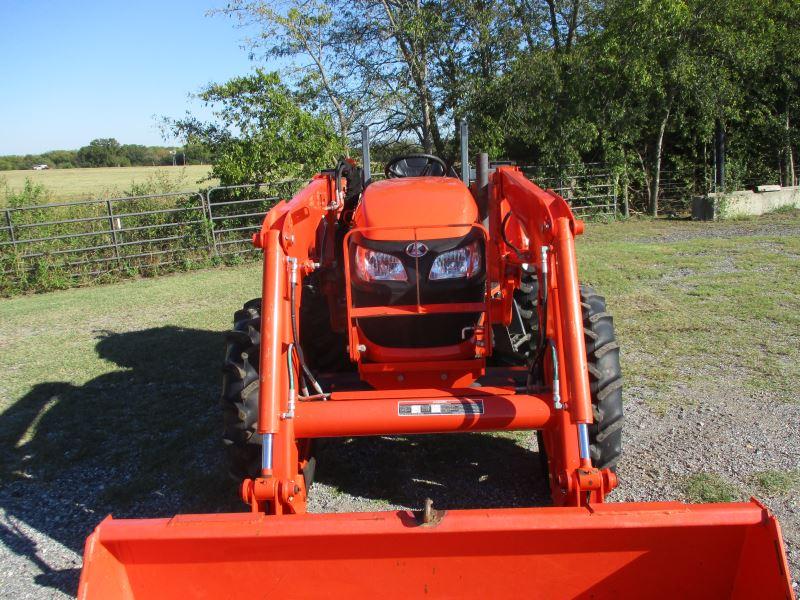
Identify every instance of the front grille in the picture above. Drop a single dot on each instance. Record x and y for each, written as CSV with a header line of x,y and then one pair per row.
x,y
423,331
417,331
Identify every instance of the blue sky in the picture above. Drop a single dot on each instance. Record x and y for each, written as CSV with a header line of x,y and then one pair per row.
x,y
75,70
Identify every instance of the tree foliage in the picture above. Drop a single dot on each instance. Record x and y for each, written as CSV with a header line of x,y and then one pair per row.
x,y
260,132
641,84
109,152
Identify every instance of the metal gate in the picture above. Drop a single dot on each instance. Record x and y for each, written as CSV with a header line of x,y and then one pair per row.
x,y
590,188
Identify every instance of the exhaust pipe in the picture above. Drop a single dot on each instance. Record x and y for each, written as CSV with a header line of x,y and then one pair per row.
x,y
482,181
366,174
464,152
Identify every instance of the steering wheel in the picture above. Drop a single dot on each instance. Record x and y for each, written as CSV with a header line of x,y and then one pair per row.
x,y
415,165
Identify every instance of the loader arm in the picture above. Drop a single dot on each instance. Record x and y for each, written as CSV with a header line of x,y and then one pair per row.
x,y
289,237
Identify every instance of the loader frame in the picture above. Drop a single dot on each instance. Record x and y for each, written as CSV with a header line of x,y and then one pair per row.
x,y
582,547
544,229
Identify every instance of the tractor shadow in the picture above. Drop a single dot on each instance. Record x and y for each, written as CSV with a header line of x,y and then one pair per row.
x,y
144,440
457,471
141,440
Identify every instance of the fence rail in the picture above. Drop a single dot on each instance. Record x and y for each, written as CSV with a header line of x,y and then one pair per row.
x,y
589,188
68,242
236,212
57,244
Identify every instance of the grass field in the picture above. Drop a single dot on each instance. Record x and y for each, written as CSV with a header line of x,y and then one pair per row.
x,y
109,394
693,298
82,184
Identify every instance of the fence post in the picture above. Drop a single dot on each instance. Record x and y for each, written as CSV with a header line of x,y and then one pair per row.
x,y
114,238
213,246
11,231
626,212
206,207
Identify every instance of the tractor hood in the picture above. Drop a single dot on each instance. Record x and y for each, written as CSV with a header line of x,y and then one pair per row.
x,y
431,204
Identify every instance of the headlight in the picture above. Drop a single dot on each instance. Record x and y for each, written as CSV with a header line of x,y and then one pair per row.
x,y
462,262
377,266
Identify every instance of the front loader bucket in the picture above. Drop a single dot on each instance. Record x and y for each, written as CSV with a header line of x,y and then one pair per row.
x,y
659,550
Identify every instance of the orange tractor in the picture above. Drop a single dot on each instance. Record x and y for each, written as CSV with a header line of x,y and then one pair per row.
x,y
419,304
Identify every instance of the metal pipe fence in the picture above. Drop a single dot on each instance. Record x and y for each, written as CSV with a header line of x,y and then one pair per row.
x,y
591,189
236,212
78,241
74,241
674,193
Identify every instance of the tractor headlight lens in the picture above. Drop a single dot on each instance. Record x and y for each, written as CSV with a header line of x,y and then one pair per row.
x,y
377,266
455,264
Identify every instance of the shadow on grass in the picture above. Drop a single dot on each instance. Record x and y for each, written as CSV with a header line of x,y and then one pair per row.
x,y
145,441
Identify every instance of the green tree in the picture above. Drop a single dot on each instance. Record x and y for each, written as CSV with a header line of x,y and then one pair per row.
x,y
102,152
679,68
646,74
327,71
403,67
61,159
197,153
537,110
260,132
137,154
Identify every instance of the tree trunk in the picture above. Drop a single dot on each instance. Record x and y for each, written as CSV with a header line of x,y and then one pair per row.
x,y
626,210
427,140
573,23
654,188
789,176
554,25
438,143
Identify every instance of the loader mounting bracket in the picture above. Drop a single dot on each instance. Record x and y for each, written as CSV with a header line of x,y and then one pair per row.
x,y
287,494
596,482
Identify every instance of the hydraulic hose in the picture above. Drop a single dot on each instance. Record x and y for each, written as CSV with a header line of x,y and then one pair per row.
x,y
296,347
306,372
290,366
505,238
536,372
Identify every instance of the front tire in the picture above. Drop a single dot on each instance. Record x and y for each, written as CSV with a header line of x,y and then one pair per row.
x,y
240,384
605,384
240,393
605,380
